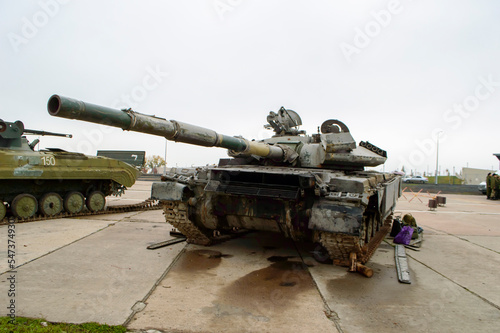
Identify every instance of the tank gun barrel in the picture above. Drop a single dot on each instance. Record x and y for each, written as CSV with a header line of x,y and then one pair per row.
x,y
130,120
36,132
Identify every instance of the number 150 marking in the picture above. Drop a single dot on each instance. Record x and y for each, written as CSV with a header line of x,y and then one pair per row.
x,y
48,160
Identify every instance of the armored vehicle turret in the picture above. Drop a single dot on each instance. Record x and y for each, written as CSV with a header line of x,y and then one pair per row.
x,y
309,188
50,181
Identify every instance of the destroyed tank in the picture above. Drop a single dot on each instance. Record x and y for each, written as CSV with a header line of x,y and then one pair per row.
x,y
52,180
312,189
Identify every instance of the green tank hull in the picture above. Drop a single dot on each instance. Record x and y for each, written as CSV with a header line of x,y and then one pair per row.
x,y
50,181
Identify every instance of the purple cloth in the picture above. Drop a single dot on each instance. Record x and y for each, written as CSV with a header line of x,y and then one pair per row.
x,y
404,236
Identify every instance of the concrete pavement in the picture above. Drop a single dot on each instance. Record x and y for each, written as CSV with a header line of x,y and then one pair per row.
x,y
98,269
259,284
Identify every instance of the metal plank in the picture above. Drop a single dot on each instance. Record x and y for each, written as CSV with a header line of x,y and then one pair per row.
x,y
402,264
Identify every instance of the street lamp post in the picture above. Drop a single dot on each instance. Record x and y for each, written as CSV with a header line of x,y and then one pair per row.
x,y
437,157
165,166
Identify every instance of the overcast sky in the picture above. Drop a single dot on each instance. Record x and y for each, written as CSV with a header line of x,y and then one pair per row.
x,y
398,73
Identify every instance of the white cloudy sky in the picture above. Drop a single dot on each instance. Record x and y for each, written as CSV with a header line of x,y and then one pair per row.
x,y
396,72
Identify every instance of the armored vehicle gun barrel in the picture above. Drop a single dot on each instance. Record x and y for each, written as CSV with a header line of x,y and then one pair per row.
x,y
16,129
45,133
130,120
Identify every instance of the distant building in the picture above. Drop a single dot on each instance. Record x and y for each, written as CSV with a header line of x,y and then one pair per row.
x,y
135,158
473,176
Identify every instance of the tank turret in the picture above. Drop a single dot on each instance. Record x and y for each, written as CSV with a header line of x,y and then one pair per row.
x,y
11,135
313,189
333,148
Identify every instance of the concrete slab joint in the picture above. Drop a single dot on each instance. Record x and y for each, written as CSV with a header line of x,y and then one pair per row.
x,y
138,306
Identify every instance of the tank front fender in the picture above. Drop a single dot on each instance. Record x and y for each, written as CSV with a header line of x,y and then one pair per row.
x,y
170,191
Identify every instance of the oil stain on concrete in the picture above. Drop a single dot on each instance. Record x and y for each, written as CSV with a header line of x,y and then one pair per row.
x,y
241,286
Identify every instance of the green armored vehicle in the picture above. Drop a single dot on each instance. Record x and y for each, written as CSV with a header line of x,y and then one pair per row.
x,y
313,189
52,180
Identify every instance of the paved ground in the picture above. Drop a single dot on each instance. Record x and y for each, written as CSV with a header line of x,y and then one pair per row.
x,y
98,269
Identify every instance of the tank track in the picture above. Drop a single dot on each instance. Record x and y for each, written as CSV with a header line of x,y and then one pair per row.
x,y
176,213
148,204
340,246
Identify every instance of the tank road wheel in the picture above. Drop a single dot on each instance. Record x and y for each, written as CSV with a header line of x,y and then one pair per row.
x,y
74,202
51,204
96,201
3,210
370,232
24,206
321,255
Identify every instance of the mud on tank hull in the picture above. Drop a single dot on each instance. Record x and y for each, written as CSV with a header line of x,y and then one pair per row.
x,y
342,212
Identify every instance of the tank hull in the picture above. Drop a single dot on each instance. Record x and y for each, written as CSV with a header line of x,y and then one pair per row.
x,y
60,173
342,212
